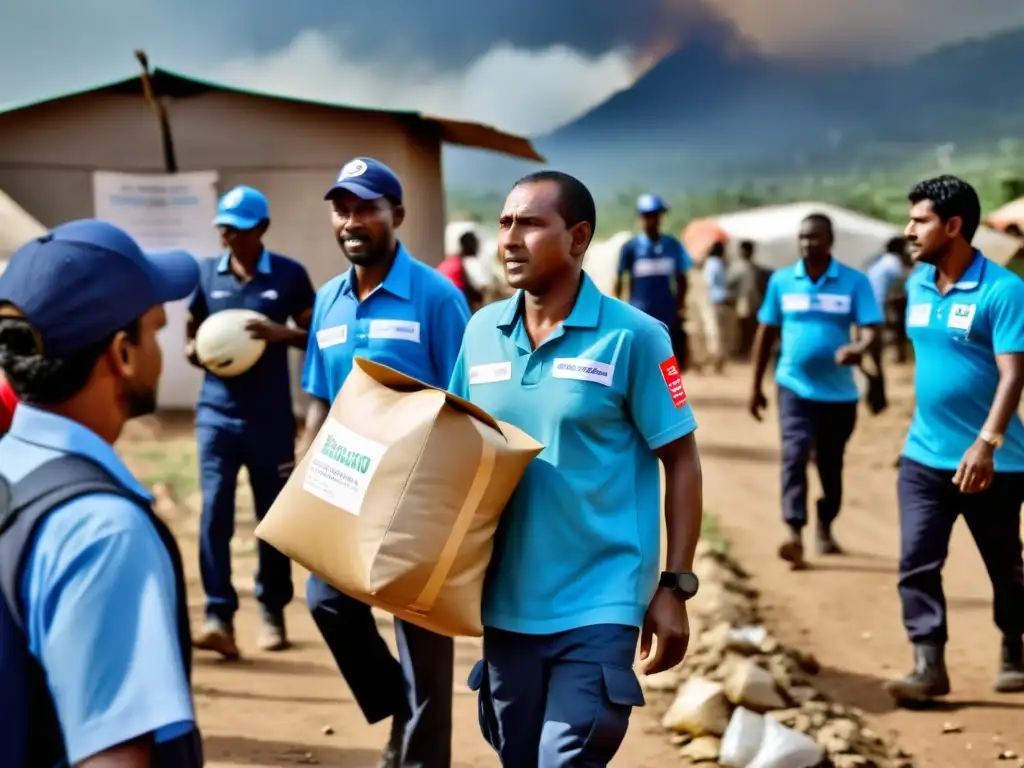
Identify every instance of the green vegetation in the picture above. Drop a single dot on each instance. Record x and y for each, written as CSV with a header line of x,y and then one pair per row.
x,y
175,466
712,534
880,193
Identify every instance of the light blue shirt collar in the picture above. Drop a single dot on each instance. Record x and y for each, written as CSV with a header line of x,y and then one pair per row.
x,y
262,267
586,312
48,430
830,274
398,281
968,281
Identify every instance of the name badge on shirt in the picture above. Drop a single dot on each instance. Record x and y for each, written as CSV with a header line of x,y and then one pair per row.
x,y
654,267
919,315
331,337
219,294
581,369
962,316
491,373
270,295
796,302
834,303
404,330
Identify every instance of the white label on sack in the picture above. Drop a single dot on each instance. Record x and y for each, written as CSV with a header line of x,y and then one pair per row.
x,y
330,337
584,370
405,330
491,373
654,267
341,466
920,315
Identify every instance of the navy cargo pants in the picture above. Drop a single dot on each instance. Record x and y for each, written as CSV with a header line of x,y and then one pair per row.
x,y
418,688
555,701
268,454
929,506
824,428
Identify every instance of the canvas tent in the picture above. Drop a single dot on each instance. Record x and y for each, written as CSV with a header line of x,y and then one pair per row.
x,y
602,261
17,227
1011,213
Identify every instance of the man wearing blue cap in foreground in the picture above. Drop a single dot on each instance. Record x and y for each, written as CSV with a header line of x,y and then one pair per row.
x,y
94,637
247,420
657,265
396,311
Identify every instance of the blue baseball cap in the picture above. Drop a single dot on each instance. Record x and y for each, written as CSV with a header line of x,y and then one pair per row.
x,y
85,280
646,204
242,208
368,179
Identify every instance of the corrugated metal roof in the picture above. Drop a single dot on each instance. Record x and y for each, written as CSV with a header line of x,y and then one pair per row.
x,y
178,85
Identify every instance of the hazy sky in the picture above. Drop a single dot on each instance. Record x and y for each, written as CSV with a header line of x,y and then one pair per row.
x,y
525,66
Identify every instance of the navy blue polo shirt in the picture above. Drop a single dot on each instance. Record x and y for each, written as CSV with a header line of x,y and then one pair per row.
x,y
652,268
816,319
956,339
280,289
412,322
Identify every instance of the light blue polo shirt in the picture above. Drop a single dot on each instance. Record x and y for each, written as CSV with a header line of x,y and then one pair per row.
x,y
579,543
956,339
412,322
100,603
816,319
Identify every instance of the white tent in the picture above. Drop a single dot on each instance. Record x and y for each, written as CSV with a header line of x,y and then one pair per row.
x,y
774,229
997,246
602,261
17,227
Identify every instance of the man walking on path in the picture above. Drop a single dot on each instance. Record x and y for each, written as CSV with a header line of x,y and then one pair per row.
x,y
397,311
95,653
964,453
247,420
656,265
814,304
574,581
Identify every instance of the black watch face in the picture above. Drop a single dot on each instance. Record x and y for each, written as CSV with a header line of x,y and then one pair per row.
x,y
688,583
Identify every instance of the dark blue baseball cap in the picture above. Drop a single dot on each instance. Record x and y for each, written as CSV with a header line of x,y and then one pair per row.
x,y
647,204
85,280
368,179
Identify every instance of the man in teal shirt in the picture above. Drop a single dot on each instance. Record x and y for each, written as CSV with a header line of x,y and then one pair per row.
x,y
575,576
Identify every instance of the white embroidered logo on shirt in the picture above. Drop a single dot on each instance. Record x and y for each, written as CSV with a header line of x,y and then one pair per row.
x,y
269,294
403,330
920,315
962,316
330,337
491,373
581,369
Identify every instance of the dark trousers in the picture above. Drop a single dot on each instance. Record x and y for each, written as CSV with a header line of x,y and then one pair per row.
x,y
824,429
268,454
680,344
554,701
419,687
929,506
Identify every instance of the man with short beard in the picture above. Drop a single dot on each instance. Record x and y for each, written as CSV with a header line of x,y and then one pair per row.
x,y
964,454
394,310
95,649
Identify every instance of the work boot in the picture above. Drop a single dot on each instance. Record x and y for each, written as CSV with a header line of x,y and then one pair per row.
x,y
218,636
273,636
824,542
929,679
1011,672
792,550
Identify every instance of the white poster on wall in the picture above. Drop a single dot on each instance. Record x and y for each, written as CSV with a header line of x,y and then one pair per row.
x,y
164,212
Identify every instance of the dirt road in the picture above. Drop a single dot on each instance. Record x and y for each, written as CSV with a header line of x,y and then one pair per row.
x,y
847,610
273,709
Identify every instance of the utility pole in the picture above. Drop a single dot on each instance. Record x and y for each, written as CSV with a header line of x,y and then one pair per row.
x,y
153,99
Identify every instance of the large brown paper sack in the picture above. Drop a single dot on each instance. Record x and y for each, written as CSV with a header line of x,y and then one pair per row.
x,y
398,499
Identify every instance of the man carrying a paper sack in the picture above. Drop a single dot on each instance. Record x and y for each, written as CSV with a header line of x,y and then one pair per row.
x,y
574,580
394,310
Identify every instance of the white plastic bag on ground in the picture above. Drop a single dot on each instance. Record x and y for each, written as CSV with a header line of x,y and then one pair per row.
x,y
742,739
782,747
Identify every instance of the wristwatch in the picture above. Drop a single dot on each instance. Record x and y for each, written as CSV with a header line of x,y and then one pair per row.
x,y
996,441
684,583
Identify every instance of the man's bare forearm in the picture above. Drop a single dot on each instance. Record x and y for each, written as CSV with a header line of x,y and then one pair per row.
x,y
1007,397
867,336
684,501
316,415
133,754
763,343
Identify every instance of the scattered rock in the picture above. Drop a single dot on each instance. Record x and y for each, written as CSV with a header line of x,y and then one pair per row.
x,y
700,709
1007,754
753,687
327,730
703,749
661,682
949,727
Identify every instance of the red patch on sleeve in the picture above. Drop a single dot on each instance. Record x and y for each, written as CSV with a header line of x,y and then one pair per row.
x,y
674,381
